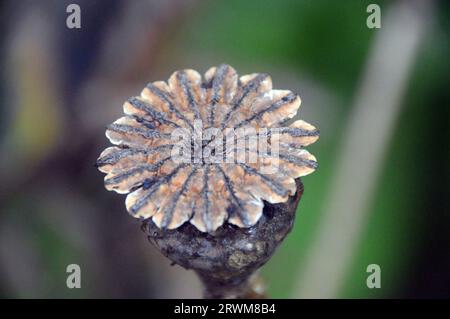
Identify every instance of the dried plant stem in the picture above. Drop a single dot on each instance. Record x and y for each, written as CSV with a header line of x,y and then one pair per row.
x,y
249,288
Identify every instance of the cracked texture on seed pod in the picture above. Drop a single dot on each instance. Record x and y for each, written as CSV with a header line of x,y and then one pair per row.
x,y
206,193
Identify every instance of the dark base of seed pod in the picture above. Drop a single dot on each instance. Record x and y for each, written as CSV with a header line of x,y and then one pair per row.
x,y
227,261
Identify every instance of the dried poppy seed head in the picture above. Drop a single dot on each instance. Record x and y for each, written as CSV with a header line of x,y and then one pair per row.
x,y
217,184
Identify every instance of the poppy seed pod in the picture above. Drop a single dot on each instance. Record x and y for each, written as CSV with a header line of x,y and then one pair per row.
x,y
211,167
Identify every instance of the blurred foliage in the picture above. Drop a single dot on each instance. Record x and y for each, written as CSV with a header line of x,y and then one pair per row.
x,y
323,38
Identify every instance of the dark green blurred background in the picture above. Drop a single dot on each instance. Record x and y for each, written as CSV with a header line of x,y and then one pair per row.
x,y
61,87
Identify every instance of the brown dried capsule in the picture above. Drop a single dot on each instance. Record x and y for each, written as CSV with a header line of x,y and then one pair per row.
x,y
216,184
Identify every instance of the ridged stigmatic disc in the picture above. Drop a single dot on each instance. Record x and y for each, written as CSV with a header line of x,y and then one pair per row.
x,y
202,192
